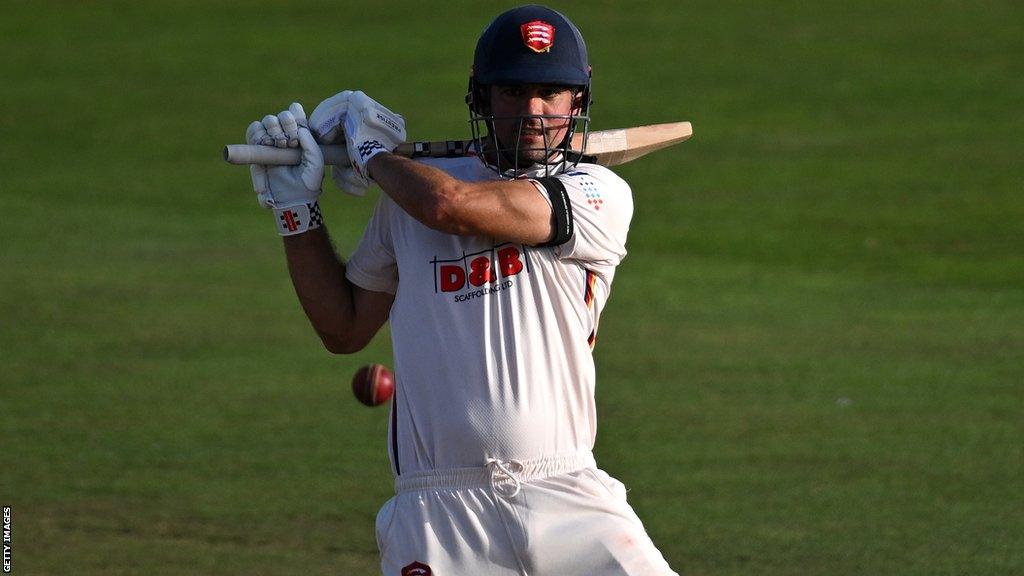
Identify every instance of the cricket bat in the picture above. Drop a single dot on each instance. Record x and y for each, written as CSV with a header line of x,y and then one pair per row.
x,y
604,147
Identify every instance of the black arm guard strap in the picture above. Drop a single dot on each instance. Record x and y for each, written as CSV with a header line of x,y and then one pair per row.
x,y
561,209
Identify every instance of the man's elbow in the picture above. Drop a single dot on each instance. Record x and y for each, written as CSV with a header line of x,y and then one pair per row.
x,y
337,344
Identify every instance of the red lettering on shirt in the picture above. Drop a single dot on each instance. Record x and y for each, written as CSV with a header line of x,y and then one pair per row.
x,y
509,262
453,278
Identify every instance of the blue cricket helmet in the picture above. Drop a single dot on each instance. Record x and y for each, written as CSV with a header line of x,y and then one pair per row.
x,y
531,45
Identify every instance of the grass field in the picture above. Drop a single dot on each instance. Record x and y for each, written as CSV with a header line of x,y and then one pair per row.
x,y
812,362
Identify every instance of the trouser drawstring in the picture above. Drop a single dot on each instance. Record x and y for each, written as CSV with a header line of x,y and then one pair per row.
x,y
505,478
501,472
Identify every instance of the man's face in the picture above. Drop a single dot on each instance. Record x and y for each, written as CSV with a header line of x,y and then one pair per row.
x,y
512,102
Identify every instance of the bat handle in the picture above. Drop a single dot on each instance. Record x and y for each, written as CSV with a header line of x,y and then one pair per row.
x,y
334,155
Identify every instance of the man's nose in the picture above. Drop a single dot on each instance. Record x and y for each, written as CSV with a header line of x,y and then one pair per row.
x,y
534,105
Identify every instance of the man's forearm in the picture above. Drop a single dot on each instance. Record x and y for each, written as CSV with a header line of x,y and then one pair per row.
x,y
511,210
318,275
421,191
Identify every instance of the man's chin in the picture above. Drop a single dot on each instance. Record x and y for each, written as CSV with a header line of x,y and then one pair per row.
x,y
533,157
538,154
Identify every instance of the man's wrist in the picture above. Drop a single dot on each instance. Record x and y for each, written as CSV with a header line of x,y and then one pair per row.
x,y
298,219
375,160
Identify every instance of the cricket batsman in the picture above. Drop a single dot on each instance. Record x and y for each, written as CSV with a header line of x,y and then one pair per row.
x,y
493,268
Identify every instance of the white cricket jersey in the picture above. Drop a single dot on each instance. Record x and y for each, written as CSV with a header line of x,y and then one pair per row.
x,y
492,339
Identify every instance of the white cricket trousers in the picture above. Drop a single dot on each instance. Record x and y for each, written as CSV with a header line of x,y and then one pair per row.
x,y
554,516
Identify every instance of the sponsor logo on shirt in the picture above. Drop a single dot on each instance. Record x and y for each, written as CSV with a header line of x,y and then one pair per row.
x,y
480,274
416,569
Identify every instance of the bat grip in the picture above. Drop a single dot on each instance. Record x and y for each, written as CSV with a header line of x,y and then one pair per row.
x,y
334,155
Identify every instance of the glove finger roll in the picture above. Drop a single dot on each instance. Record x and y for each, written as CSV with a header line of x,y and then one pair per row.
x,y
274,131
289,127
255,133
299,113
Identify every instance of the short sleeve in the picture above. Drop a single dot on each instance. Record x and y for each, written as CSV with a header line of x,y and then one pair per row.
x,y
373,265
602,208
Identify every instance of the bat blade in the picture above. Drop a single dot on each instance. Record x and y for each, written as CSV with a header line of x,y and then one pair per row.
x,y
605,147
614,147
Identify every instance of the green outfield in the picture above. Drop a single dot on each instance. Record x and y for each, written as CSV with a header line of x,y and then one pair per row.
x,y
812,362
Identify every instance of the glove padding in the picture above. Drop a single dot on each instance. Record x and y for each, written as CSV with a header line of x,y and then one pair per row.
x,y
327,123
369,130
285,186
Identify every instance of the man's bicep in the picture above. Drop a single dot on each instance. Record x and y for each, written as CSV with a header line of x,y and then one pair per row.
x,y
512,211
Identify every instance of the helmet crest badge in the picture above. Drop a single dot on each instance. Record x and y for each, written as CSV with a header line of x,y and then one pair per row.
x,y
538,35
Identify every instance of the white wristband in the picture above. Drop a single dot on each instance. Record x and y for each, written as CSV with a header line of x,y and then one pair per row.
x,y
298,219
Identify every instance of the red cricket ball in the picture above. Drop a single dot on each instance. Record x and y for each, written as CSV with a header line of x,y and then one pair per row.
x,y
373,384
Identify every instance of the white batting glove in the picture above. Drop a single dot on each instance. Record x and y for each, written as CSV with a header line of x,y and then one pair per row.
x,y
369,130
291,191
327,122
349,181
